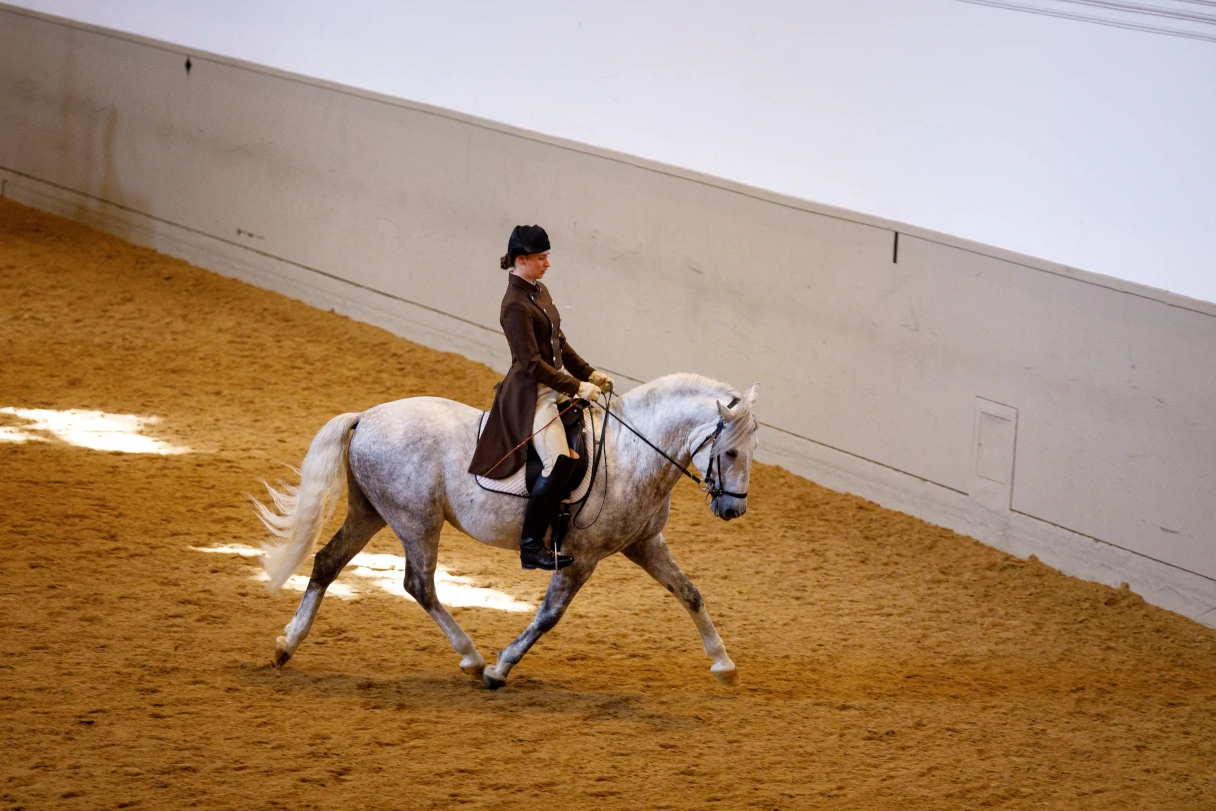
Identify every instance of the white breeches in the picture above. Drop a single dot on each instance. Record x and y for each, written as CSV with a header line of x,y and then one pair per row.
x,y
550,442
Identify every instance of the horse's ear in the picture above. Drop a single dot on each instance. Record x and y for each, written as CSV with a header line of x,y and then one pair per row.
x,y
723,411
749,396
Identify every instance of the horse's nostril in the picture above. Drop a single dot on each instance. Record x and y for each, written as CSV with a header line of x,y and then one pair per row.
x,y
730,514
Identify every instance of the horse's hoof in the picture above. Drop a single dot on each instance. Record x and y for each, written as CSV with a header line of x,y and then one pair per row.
x,y
281,653
728,677
473,664
492,682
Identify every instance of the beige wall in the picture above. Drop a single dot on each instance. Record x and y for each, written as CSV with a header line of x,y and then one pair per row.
x,y
1039,409
1095,153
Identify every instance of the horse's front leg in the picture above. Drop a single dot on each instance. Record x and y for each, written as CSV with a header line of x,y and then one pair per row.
x,y
562,587
653,555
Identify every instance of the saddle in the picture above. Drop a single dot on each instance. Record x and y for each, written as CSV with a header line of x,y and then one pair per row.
x,y
520,483
572,421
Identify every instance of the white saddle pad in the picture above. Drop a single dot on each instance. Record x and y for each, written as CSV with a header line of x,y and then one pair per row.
x,y
516,484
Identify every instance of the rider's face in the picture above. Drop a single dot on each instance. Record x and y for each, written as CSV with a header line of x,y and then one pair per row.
x,y
532,266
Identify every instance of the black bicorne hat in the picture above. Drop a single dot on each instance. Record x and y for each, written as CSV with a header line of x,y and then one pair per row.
x,y
527,239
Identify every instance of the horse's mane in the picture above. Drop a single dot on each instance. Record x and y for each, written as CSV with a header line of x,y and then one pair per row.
x,y
674,385
649,395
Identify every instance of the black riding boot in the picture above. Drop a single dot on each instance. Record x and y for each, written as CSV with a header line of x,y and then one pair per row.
x,y
542,504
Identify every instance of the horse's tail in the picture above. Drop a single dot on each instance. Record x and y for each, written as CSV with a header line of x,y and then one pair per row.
x,y
301,512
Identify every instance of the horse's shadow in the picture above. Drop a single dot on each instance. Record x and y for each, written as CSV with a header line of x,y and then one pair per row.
x,y
423,692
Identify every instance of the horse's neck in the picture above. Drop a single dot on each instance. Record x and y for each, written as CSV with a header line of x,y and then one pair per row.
x,y
668,424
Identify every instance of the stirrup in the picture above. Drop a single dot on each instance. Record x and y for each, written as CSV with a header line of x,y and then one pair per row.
x,y
534,555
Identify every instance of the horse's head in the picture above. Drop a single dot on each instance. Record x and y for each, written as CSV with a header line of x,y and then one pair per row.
x,y
725,461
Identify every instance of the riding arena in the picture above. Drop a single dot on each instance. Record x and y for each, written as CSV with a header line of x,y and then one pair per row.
x,y
881,660
881,477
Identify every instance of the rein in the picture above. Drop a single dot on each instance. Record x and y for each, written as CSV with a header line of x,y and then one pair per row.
x,y
711,485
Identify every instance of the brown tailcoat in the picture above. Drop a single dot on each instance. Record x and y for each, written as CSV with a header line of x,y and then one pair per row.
x,y
539,354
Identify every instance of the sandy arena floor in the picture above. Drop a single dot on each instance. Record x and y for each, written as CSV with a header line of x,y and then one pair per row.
x,y
885,662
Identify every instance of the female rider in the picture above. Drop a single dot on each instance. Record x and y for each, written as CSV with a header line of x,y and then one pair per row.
x,y
545,370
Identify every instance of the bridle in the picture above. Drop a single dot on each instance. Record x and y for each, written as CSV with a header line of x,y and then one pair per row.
x,y
711,485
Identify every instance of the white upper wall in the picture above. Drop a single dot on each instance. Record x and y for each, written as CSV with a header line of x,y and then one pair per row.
x,y
1081,144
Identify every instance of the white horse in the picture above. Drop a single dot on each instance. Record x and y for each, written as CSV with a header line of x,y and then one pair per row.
x,y
406,464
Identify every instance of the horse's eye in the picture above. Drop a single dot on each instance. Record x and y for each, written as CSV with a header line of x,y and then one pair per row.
x,y
732,454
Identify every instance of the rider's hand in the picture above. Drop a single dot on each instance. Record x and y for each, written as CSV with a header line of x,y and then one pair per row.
x,y
588,391
602,380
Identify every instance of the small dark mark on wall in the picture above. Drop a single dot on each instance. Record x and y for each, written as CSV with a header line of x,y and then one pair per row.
x,y
250,234
895,254
189,65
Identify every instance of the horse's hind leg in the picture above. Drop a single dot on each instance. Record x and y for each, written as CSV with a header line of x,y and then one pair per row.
x,y
362,522
653,555
421,545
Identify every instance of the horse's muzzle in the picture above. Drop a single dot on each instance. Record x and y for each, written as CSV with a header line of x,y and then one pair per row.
x,y
728,508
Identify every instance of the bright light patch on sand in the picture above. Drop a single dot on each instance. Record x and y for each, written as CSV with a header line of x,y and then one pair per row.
x,y
386,573
96,430
17,435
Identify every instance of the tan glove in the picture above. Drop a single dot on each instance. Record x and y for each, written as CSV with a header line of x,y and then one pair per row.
x,y
602,380
588,391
